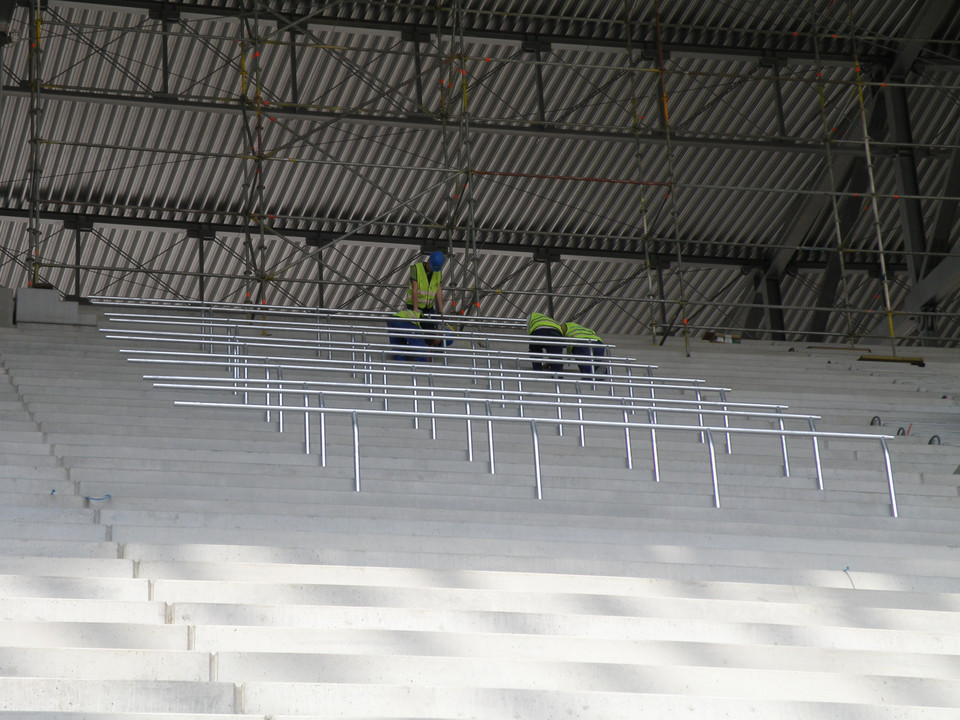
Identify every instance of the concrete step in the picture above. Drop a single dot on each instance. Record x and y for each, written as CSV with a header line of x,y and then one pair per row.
x,y
52,694
102,612
93,588
100,664
612,540
443,553
610,699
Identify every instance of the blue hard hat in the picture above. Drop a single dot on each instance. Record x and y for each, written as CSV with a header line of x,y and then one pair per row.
x,y
436,260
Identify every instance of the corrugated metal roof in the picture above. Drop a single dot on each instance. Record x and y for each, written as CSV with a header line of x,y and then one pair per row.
x,y
361,139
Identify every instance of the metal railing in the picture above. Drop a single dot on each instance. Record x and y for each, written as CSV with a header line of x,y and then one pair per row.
x,y
490,419
238,359
556,403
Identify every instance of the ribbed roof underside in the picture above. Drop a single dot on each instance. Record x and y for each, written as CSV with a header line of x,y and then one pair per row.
x,y
628,165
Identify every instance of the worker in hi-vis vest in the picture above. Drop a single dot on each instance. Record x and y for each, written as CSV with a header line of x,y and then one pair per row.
x,y
425,290
587,345
402,323
541,326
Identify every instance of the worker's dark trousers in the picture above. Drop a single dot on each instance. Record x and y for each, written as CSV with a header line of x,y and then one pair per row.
x,y
552,364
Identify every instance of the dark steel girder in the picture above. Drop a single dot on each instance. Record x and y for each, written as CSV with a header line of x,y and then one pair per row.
x,y
734,51
433,123
808,209
320,239
940,277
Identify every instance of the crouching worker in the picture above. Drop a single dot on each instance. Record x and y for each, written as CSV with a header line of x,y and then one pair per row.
x,y
403,322
541,326
584,348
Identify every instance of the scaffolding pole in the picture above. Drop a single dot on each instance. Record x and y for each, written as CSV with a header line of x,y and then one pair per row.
x,y
827,143
250,42
674,211
637,154
36,169
466,161
888,309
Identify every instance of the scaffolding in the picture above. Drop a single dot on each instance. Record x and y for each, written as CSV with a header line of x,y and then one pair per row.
x,y
540,150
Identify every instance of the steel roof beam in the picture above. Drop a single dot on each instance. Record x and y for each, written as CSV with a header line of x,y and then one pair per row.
x,y
429,122
944,277
804,55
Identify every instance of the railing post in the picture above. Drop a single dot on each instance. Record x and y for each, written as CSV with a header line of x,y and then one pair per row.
x,y
433,410
726,422
713,470
416,404
466,411
580,414
386,390
651,416
306,420
783,445
246,378
536,457
323,431
490,438
626,436
893,492
816,455
520,395
279,399
559,410
266,387
356,451
699,414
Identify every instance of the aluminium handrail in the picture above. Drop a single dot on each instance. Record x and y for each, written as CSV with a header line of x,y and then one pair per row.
x,y
406,368
366,347
330,328
298,311
303,387
556,401
626,424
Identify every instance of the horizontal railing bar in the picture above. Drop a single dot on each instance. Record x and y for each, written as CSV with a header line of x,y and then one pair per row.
x,y
654,403
232,323
370,347
626,424
403,368
551,420
249,309
287,386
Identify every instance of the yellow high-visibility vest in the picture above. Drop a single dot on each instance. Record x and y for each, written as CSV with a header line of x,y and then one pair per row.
x,y
539,320
411,315
426,290
573,330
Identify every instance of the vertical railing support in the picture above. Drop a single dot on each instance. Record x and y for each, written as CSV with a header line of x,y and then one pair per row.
x,y
266,393
783,446
726,422
279,399
306,420
893,492
559,409
536,457
652,418
433,410
713,469
493,468
416,404
356,451
626,436
703,437
323,431
816,455
466,410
